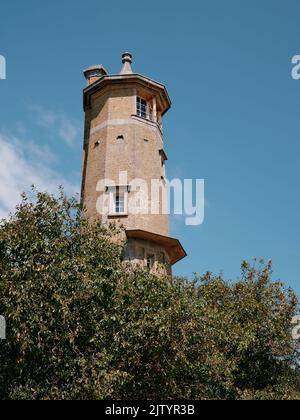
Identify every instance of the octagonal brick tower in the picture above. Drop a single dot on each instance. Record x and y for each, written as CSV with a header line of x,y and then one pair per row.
x,y
123,134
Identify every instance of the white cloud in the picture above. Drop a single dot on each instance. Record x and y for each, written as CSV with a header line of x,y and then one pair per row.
x,y
68,132
43,117
64,127
23,164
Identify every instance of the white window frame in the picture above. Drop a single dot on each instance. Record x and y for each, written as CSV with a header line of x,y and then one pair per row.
x,y
141,107
114,192
144,109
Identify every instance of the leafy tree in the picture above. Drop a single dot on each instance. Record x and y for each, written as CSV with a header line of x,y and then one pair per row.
x,y
81,324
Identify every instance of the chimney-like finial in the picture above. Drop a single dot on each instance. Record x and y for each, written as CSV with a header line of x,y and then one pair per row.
x,y
94,73
127,61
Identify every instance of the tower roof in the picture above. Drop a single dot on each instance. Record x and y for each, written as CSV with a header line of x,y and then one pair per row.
x,y
126,77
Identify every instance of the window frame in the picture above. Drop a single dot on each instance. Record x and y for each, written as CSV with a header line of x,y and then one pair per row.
x,y
118,201
142,108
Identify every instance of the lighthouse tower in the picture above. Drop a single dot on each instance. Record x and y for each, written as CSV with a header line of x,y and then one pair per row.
x,y
124,162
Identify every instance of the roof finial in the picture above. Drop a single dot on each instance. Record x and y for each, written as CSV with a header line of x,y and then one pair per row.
x,y
127,61
94,73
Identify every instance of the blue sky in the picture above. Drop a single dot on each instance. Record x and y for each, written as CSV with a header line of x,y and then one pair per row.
x,y
235,119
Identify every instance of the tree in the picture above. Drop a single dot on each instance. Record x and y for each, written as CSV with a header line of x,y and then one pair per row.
x,y
81,324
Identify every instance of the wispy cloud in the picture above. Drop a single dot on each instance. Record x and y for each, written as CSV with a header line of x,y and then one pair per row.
x,y
66,128
43,117
68,131
23,164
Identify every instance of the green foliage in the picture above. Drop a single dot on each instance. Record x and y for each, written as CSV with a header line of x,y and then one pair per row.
x,y
83,325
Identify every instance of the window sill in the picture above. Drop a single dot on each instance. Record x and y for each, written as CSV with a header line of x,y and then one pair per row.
x,y
149,122
145,120
117,215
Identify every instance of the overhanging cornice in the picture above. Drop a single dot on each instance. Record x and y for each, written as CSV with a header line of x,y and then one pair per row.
x,y
172,246
125,79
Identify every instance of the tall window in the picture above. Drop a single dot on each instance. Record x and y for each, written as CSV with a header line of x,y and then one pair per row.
x,y
120,201
162,258
141,107
150,261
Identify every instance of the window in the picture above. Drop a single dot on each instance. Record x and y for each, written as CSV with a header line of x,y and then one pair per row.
x,y
119,201
150,261
129,252
141,254
162,258
118,197
163,156
120,139
141,107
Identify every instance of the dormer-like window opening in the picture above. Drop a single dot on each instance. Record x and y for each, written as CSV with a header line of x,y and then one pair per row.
x,y
141,107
